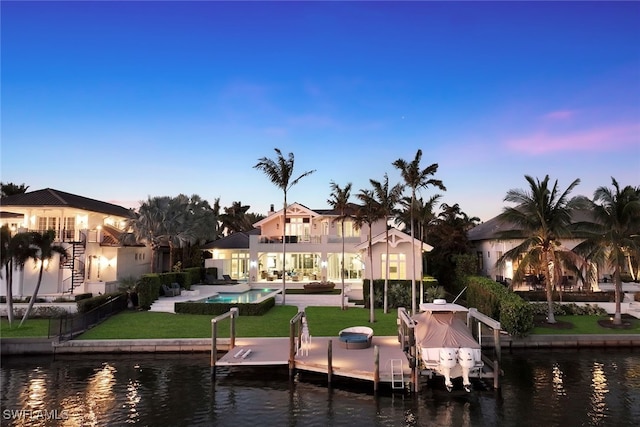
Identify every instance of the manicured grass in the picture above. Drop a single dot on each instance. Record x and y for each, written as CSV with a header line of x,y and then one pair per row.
x,y
329,321
149,324
323,321
30,329
586,325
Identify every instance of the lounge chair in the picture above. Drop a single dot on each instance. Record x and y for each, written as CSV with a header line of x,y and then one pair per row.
x,y
176,288
228,279
169,292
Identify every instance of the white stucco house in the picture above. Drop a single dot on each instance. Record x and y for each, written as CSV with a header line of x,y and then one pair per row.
x,y
88,229
313,245
489,248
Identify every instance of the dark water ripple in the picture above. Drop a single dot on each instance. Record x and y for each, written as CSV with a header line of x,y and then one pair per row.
x,y
540,388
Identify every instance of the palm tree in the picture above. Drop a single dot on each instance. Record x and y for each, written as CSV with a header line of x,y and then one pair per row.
x,y
10,189
542,216
387,198
17,251
279,172
424,216
416,178
6,262
235,218
339,201
614,235
368,213
43,243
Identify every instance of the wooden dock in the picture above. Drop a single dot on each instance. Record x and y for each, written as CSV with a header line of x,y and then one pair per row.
x,y
350,363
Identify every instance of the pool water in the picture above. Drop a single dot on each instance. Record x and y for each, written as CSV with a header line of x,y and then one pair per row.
x,y
251,296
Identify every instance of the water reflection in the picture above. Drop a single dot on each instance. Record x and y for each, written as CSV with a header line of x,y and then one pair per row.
x,y
588,388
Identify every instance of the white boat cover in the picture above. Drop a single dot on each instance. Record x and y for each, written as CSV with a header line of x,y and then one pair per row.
x,y
442,330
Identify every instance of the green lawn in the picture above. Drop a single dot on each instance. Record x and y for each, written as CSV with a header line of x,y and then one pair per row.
x,y
30,329
323,321
587,325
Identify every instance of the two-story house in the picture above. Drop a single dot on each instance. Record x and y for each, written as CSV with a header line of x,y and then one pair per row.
x,y
88,229
313,243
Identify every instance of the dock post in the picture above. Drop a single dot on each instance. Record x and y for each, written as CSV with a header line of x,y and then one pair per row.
x,y
329,362
232,328
496,374
292,346
214,350
496,343
376,370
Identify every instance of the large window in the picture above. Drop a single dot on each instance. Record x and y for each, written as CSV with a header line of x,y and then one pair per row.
x,y
48,223
299,227
349,228
69,227
397,266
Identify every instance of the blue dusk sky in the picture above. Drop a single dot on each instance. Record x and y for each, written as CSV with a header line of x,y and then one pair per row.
x,y
119,101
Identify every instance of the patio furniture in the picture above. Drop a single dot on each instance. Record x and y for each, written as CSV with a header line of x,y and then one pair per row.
x,y
228,279
319,287
356,337
169,292
176,288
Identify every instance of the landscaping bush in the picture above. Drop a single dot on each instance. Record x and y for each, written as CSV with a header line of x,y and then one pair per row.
x,y
89,304
496,301
196,275
83,296
568,296
215,309
148,290
542,309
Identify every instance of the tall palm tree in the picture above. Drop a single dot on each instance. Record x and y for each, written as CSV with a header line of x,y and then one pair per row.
x,y
387,198
368,213
542,216
416,178
45,248
279,172
339,200
614,235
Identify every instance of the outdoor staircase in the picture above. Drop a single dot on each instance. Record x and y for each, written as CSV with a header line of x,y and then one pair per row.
x,y
76,264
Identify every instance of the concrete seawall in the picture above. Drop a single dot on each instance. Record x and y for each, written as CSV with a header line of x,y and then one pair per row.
x,y
34,346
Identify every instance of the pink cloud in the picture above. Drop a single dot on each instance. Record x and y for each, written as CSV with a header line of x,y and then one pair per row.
x,y
559,115
597,139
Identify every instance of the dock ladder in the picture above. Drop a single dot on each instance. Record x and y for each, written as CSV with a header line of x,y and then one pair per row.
x,y
397,374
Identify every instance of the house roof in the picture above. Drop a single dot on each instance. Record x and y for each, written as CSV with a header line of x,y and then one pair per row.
x,y
395,237
237,240
492,228
52,197
299,208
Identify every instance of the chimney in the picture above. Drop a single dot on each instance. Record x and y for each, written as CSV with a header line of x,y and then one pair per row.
x,y
271,211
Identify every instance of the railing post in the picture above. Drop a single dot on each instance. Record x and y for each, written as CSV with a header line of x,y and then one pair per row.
x,y
329,362
376,369
232,328
214,349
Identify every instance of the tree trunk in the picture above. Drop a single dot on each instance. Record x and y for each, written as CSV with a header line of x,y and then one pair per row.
x,y
617,280
9,276
342,306
372,315
386,277
284,248
550,316
413,257
34,296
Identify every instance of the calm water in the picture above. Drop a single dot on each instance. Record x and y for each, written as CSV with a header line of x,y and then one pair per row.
x,y
541,388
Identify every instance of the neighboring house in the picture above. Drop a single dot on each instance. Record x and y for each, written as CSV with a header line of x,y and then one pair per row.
x,y
89,229
489,248
313,249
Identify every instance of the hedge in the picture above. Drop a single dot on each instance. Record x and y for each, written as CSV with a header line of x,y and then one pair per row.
x,y
148,290
541,296
398,292
214,309
88,304
496,301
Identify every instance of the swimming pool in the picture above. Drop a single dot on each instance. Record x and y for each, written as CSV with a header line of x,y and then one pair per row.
x,y
252,296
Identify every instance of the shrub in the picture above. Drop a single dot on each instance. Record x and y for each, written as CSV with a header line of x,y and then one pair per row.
x,y
148,290
542,309
496,301
88,304
196,275
433,292
398,293
80,297
214,309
